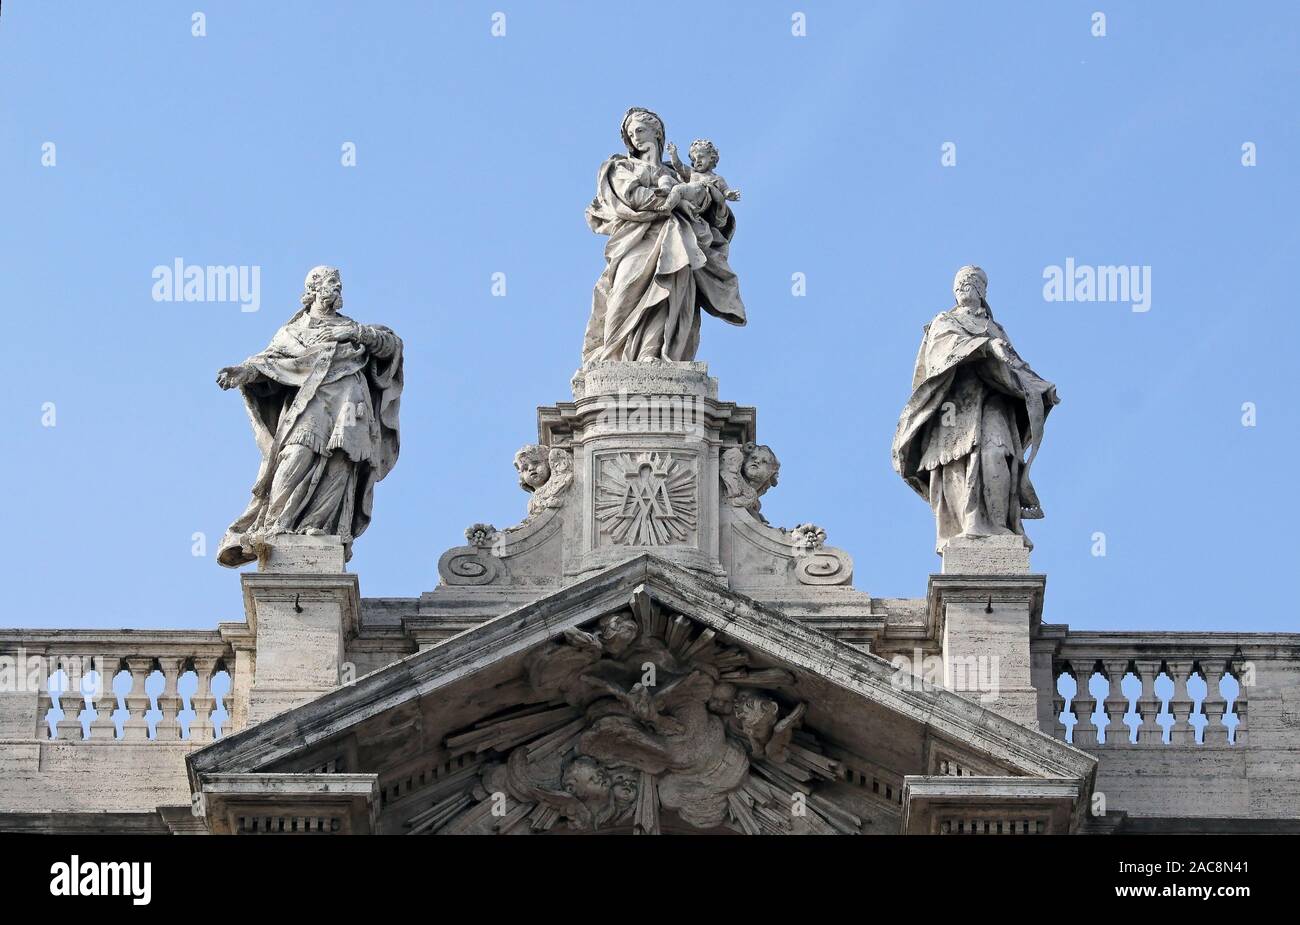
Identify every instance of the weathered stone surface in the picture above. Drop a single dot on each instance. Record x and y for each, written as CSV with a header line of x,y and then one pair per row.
x,y
290,804
288,552
976,409
985,555
643,651
434,710
323,400
643,379
302,622
647,303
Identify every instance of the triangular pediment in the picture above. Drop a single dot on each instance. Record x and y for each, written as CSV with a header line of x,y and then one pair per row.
x,y
645,698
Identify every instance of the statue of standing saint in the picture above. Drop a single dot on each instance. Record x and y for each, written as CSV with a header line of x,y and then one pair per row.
x,y
323,400
666,258
976,409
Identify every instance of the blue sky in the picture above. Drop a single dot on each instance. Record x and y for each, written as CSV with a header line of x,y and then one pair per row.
x,y
476,155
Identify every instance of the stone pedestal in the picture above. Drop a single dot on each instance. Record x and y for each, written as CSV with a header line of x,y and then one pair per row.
x,y
644,461
645,438
989,605
986,555
291,553
301,608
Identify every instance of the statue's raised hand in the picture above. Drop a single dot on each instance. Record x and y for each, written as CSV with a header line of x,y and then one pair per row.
x,y
340,332
232,377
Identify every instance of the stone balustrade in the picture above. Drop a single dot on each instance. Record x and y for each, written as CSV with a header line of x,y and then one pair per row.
x,y
1158,690
123,686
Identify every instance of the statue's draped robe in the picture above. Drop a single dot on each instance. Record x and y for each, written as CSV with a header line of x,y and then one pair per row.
x,y
661,268
340,402
965,400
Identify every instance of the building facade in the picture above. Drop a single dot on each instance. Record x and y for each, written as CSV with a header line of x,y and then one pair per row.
x,y
645,653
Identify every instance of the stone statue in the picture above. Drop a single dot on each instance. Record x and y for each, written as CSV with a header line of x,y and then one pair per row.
x,y
976,409
669,235
323,400
747,472
545,472
696,181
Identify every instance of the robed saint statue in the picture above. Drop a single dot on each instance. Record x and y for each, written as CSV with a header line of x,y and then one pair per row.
x,y
976,410
323,400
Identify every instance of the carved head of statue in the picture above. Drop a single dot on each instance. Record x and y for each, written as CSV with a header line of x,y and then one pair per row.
x,y
617,632
761,466
748,471
533,466
970,286
722,700
625,783
324,287
585,779
704,154
755,715
643,133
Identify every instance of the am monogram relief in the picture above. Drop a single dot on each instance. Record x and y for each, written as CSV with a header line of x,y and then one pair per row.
x,y
646,498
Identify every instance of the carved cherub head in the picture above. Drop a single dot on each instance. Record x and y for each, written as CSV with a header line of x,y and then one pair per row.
x,y
323,286
625,783
617,632
723,699
585,779
754,717
704,155
533,466
643,132
970,286
747,472
761,467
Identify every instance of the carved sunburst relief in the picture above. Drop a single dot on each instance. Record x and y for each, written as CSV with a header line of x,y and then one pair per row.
x,y
643,721
646,499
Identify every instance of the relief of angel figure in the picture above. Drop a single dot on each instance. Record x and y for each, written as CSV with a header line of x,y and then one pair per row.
x,y
672,731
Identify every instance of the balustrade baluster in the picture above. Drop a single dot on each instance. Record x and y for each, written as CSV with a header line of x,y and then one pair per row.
x,y
169,701
136,728
1117,733
203,702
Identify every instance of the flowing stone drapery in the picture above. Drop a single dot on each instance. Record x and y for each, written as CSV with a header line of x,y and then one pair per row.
x,y
976,408
323,400
665,259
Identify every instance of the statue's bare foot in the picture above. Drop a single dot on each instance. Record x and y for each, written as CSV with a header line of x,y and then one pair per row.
x,y
313,531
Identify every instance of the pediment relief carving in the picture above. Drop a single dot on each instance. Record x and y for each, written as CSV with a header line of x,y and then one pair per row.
x,y
646,697
645,720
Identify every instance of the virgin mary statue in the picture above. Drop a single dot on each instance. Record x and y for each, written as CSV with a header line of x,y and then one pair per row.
x,y
663,263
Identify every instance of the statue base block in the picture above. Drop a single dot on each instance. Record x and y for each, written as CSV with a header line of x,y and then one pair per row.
x,y
986,555
291,552
645,377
